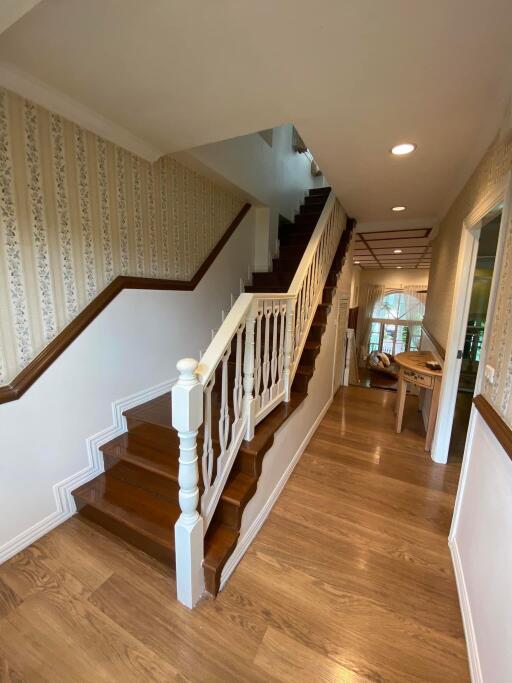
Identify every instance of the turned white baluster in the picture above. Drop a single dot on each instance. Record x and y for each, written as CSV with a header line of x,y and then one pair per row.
x,y
280,356
288,348
275,350
249,404
266,356
187,416
257,357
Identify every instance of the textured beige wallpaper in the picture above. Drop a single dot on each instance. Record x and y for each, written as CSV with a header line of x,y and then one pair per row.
x,y
75,212
495,164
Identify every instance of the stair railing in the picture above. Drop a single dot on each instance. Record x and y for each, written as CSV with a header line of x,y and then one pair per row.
x,y
311,275
249,366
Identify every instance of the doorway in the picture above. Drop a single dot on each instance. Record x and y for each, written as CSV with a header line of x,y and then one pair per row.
x,y
475,330
495,205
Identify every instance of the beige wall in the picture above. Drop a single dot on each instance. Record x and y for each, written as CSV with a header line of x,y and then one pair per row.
x,y
394,277
495,164
391,278
75,212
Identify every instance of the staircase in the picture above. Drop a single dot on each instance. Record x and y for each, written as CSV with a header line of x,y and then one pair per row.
x,y
137,496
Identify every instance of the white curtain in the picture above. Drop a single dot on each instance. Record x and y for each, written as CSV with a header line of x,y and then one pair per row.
x,y
415,302
374,293
417,291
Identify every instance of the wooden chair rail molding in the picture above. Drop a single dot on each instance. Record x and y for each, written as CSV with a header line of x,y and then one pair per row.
x,y
496,424
440,349
29,374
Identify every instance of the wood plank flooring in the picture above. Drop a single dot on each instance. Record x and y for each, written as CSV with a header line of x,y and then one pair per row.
x,y
349,580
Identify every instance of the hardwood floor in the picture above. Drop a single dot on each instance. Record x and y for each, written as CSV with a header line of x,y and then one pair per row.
x,y
349,580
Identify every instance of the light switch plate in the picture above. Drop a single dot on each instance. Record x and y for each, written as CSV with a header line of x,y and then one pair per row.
x,y
489,374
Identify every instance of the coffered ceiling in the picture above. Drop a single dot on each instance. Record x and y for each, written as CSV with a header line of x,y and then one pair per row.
x,y
355,77
393,249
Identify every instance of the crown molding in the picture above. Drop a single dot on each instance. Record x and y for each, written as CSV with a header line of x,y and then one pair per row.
x,y
497,130
22,83
12,10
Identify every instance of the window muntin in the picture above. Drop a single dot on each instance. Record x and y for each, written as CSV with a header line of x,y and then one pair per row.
x,y
399,306
396,323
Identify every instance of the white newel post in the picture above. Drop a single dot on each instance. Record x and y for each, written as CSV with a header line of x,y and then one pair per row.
x,y
288,347
249,406
187,416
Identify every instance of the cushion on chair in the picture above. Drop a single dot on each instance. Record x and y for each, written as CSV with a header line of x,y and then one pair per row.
x,y
378,361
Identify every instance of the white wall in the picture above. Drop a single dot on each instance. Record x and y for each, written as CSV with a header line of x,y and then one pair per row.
x,y
480,541
275,177
293,436
134,344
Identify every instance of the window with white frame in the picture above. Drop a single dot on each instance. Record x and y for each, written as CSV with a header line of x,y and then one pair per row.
x,y
396,323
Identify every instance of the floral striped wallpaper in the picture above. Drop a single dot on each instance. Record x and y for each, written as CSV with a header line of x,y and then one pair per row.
x,y
75,212
496,163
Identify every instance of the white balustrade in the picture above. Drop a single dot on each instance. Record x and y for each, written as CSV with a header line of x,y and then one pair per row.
x,y
247,370
187,415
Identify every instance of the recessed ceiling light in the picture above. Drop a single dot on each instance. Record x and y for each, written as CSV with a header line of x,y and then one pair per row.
x,y
357,262
398,208
397,251
399,267
403,148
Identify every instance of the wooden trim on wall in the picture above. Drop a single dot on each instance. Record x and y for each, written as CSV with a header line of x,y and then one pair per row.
x,y
495,422
440,349
36,367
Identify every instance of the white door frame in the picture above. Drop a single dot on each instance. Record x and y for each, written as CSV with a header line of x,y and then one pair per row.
x,y
501,194
340,340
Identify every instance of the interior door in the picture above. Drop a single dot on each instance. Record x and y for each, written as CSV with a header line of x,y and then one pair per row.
x,y
341,336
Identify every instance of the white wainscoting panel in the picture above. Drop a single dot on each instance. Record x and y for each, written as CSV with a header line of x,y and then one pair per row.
x,y
481,547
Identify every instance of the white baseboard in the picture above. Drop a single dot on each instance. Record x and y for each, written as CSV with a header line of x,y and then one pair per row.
x,y
245,541
23,540
65,504
467,620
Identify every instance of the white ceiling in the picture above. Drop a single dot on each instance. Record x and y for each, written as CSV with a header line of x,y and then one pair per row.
x,y
354,76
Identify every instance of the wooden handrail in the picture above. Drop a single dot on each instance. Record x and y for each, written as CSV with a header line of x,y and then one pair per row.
x,y
250,363
36,367
440,349
495,422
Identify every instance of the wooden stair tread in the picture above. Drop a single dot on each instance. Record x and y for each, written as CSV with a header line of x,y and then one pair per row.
x,y
237,487
154,458
156,411
132,506
266,429
218,544
307,370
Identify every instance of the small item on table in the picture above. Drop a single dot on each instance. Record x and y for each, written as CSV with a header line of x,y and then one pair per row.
x,y
433,365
